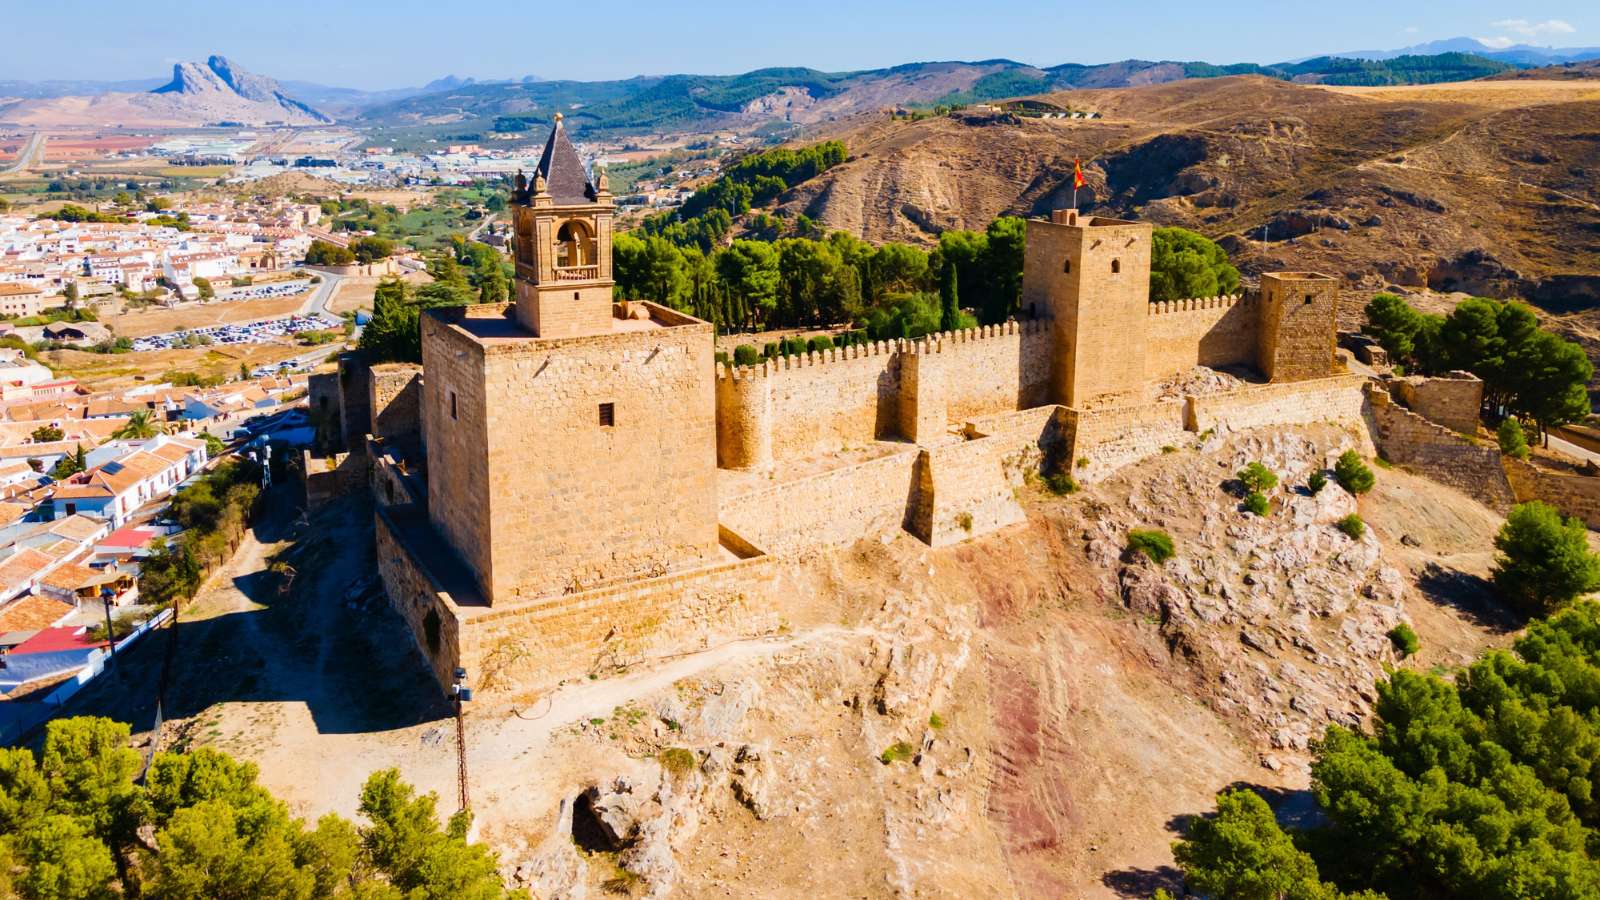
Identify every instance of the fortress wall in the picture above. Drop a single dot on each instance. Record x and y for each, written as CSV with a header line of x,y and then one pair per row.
x,y
1105,439
537,645
1212,331
812,403
1334,399
1452,400
396,401
970,488
453,417
1408,439
804,405
355,398
1573,495
839,506
322,398
414,594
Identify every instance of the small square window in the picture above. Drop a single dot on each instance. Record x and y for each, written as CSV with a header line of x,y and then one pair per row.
x,y
1310,298
608,414
452,404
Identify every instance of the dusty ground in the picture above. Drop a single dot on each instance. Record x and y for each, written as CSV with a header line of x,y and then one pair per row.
x,y
1061,734
110,371
160,320
356,293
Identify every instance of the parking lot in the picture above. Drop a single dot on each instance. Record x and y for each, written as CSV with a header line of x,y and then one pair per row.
x,y
260,332
262,291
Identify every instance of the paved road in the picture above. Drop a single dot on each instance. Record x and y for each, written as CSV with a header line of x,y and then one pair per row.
x,y
318,301
31,153
1572,449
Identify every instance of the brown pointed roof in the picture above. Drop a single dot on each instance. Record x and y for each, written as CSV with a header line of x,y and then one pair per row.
x,y
564,175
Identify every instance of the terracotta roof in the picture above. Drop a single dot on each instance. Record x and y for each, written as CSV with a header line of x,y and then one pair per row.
x,y
122,474
21,568
72,577
171,452
12,289
32,613
82,491
564,175
12,512
77,527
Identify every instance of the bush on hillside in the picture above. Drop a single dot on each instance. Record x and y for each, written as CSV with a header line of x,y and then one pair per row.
x,y
1513,441
1257,502
1352,526
1257,478
746,355
1316,482
1405,640
1353,474
1154,543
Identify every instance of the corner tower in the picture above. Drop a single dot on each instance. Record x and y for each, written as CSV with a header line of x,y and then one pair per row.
x,y
1298,336
562,224
1090,276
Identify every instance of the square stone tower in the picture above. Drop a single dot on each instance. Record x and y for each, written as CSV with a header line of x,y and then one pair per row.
x,y
562,244
571,442
1091,276
1298,335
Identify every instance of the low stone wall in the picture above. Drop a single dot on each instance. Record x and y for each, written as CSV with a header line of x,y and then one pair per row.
x,y
392,482
419,599
322,398
355,398
838,506
540,644
1334,399
1104,440
1452,400
327,477
1573,495
1407,439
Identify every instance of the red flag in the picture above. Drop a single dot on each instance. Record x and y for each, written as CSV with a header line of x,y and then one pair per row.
x,y
1077,175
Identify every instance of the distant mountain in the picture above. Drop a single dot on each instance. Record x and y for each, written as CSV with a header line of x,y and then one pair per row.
x,y
211,93
799,96
1518,54
39,90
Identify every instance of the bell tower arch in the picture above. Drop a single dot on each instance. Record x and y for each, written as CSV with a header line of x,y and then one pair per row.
x,y
562,222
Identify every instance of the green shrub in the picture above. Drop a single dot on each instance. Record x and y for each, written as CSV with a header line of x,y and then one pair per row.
x,y
1353,474
1168,448
820,342
721,357
677,760
746,355
1317,482
1513,441
792,346
769,350
935,721
1405,640
1060,483
1545,560
1352,526
964,520
899,751
1257,502
1155,544
1257,478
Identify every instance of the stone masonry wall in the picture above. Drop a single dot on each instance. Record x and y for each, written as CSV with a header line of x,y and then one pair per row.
x,y
355,398
970,488
1105,439
1214,332
1573,495
414,594
838,506
1407,439
1452,400
454,419
323,399
1335,399
397,401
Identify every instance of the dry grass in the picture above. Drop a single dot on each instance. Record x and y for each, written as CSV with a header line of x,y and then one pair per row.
x,y
153,320
1499,94
109,371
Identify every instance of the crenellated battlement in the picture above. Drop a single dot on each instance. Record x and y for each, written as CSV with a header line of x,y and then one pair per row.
x,y
1199,304
938,342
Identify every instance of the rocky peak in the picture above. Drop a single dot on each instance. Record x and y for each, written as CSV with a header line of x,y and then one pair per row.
x,y
219,78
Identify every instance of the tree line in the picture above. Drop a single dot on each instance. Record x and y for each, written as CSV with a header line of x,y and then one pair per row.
x,y
467,273
1527,372
76,821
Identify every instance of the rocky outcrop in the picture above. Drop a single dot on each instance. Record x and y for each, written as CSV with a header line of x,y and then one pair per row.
x,y
219,84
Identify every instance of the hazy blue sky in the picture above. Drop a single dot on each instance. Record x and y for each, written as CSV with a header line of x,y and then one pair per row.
x,y
360,43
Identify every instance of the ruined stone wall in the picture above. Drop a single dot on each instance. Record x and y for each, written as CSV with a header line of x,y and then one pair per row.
x,y
414,595
355,398
1407,439
1212,331
839,506
969,488
396,401
576,501
1105,439
1573,495
1452,400
455,416
323,399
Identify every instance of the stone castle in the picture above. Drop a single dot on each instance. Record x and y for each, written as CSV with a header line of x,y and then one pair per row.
x,y
571,481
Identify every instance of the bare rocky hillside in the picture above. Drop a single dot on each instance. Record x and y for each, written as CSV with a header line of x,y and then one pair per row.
x,y
1487,187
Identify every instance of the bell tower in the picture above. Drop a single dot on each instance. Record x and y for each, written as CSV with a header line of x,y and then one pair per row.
x,y
562,225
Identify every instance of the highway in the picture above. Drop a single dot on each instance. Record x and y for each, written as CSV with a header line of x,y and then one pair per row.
x,y
31,153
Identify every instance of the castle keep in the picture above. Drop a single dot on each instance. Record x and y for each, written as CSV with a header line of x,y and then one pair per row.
x,y
581,484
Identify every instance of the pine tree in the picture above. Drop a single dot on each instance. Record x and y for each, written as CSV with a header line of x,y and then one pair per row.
x,y
949,304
